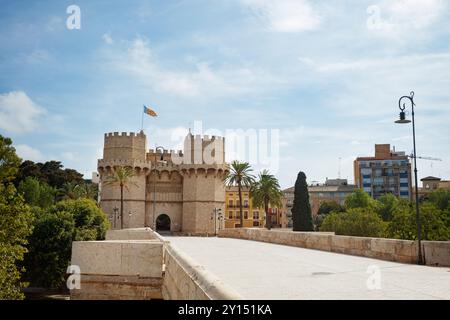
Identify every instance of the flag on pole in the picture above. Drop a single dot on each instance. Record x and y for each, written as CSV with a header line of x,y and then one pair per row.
x,y
149,111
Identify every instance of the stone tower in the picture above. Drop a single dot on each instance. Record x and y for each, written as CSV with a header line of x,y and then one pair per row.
x,y
124,150
182,187
203,171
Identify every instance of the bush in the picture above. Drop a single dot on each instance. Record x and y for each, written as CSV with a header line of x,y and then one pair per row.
x,y
355,222
51,241
15,226
434,223
90,221
50,249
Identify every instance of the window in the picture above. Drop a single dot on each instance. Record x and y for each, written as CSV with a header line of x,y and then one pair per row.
x,y
230,214
404,184
245,214
238,203
230,203
246,203
256,215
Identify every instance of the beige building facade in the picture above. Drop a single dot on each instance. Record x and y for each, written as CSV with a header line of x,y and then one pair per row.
x,y
171,190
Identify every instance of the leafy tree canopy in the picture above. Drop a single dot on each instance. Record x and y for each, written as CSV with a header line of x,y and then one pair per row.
x,y
387,204
50,172
37,193
361,222
15,226
9,161
434,222
359,199
51,241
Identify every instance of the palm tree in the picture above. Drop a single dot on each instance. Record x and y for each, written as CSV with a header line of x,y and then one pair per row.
x,y
267,191
69,190
88,190
240,175
121,176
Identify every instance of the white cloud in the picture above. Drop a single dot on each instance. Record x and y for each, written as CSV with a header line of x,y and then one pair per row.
x,y
375,63
394,18
18,113
285,15
200,80
28,153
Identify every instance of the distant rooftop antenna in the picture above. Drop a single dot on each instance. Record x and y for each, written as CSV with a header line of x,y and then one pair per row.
x,y
339,168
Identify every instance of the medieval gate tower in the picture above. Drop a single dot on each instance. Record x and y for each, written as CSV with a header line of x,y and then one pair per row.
x,y
170,190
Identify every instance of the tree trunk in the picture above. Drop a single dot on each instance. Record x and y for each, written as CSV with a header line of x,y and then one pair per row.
x,y
121,206
240,204
268,218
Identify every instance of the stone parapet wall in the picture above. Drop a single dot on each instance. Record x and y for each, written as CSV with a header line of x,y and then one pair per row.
x,y
436,253
104,287
139,264
186,279
118,269
131,234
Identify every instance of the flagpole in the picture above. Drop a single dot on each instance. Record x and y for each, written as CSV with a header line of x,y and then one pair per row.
x,y
142,120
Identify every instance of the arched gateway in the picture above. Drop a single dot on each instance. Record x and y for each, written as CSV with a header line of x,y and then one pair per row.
x,y
163,222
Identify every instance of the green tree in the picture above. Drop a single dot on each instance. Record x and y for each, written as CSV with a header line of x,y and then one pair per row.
x,y
122,177
50,249
267,191
441,198
88,190
90,221
301,209
16,222
325,209
359,199
386,206
361,222
37,193
434,223
9,161
28,169
50,172
51,242
240,176
69,190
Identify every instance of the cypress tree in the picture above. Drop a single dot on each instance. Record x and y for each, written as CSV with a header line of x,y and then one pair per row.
x,y
301,209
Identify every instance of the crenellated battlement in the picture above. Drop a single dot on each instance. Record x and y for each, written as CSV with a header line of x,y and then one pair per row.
x,y
125,146
124,134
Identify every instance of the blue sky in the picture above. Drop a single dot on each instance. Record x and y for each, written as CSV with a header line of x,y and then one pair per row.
x,y
326,74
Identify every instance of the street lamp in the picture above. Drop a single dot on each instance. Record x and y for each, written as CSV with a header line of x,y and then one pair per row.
x,y
154,184
403,120
217,214
116,216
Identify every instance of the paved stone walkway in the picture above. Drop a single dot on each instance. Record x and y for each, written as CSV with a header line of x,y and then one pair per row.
x,y
260,270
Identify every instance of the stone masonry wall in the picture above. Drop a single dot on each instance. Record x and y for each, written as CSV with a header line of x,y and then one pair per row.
x,y
185,279
436,253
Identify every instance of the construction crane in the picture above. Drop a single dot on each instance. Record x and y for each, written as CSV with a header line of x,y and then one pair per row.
x,y
425,158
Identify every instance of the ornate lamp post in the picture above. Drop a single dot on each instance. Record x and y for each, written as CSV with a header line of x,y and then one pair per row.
x,y
402,120
217,214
